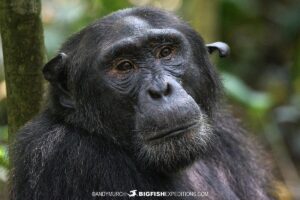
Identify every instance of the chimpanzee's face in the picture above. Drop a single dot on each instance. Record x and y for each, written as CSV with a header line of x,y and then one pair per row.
x,y
151,68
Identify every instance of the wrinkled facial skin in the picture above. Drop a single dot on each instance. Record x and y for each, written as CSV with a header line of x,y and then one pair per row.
x,y
151,73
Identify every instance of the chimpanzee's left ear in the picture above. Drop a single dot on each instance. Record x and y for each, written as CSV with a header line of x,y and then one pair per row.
x,y
222,48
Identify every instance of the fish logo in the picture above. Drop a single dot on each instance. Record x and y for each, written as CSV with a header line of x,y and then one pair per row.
x,y
132,193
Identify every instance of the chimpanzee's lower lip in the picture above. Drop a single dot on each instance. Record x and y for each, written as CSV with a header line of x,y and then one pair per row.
x,y
172,132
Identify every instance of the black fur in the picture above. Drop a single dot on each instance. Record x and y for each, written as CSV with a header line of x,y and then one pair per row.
x,y
98,131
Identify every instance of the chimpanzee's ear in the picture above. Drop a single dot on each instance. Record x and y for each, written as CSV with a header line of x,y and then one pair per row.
x,y
55,72
54,67
222,48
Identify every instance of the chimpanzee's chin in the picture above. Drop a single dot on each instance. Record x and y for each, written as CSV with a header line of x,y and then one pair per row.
x,y
176,150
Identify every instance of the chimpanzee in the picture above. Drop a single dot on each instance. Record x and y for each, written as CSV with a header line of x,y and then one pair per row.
x,y
135,109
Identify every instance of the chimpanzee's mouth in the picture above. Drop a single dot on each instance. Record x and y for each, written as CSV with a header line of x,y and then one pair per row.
x,y
168,133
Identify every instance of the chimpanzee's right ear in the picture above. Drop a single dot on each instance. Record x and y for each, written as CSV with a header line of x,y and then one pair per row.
x,y
55,72
53,69
222,48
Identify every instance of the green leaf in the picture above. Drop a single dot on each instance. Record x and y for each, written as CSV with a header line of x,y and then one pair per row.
x,y
240,92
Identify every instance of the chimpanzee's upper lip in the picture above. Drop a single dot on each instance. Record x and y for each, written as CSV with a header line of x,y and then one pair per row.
x,y
166,133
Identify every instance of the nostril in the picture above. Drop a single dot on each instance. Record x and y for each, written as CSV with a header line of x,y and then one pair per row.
x,y
154,94
167,90
158,93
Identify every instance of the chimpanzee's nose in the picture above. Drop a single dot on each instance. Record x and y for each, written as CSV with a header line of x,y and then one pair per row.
x,y
157,92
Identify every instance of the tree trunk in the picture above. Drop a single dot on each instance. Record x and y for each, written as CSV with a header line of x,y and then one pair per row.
x,y
24,55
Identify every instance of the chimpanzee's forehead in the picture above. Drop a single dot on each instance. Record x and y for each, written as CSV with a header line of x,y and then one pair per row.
x,y
129,26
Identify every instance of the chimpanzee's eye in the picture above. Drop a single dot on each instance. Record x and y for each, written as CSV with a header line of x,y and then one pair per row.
x,y
124,66
165,52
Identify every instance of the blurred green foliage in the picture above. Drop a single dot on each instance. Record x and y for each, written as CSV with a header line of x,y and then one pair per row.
x,y
259,101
